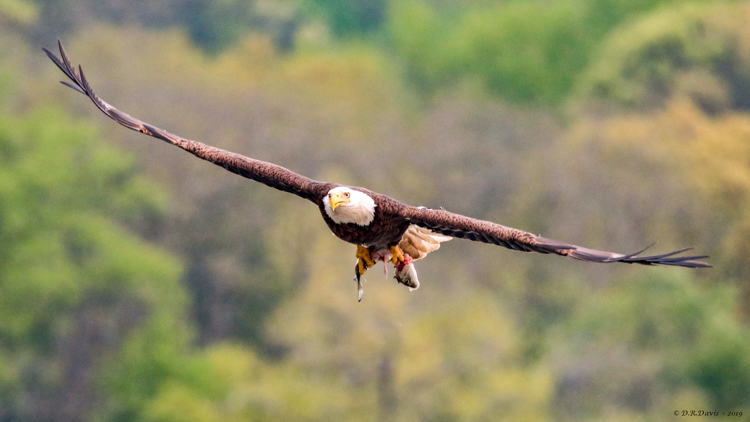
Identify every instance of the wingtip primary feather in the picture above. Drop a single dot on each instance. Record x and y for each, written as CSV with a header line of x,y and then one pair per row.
x,y
624,258
593,255
75,87
64,65
662,259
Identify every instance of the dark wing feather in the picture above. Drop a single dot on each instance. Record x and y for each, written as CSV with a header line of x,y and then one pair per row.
x,y
455,225
269,174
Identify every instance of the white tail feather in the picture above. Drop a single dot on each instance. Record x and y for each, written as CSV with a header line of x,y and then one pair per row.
x,y
417,242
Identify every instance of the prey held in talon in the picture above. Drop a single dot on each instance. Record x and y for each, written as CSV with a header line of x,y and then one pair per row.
x,y
376,223
405,272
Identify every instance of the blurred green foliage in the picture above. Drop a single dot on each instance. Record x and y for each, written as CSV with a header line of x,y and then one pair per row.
x,y
139,284
74,280
694,50
637,354
352,17
18,11
214,25
523,51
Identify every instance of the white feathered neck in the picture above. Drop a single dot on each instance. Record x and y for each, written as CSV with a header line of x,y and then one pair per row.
x,y
360,209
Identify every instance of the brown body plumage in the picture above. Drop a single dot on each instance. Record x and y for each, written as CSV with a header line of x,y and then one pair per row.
x,y
391,219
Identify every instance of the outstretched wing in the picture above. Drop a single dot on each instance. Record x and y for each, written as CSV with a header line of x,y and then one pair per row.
x,y
455,225
269,174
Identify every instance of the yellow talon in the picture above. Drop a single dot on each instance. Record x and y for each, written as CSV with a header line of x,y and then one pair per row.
x,y
365,261
398,256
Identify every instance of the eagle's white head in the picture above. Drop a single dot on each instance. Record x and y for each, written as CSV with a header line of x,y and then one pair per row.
x,y
345,205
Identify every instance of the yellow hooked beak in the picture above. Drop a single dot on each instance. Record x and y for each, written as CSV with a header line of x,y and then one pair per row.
x,y
337,200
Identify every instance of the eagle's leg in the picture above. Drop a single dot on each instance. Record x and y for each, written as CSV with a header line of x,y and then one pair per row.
x,y
365,260
398,256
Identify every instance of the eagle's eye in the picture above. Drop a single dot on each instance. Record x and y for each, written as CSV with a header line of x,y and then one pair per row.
x,y
346,194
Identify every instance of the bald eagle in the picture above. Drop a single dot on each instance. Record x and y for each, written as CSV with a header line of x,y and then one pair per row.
x,y
382,228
